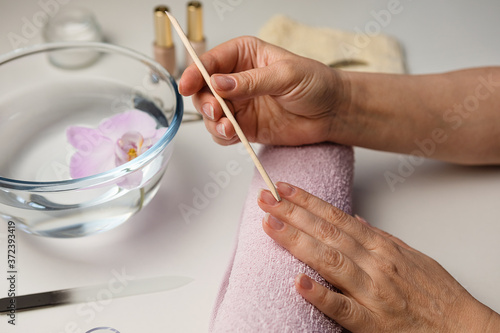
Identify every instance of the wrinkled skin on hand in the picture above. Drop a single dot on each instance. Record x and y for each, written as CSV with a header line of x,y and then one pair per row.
x,y
386,285
277,97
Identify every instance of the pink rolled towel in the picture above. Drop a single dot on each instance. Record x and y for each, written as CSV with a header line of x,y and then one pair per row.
x,y
258,292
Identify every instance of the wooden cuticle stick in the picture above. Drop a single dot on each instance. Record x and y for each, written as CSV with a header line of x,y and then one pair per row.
x,y
224,106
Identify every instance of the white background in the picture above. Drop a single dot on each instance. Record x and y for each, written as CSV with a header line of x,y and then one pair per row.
x,y
448,212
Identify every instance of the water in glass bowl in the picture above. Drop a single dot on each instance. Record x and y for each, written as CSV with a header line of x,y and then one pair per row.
x,y
35,148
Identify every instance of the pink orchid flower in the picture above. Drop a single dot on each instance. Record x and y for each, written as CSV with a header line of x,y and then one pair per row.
x,y
115,141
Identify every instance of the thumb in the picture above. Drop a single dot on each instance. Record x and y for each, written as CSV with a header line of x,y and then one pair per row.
x,y
251,83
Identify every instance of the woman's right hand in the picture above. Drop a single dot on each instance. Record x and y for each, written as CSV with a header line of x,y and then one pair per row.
x,y
277,97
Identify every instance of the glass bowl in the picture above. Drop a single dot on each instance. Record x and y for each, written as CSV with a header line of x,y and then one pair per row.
x,y
70,166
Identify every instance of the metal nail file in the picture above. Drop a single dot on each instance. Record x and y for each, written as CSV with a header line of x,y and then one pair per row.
x,y
88,294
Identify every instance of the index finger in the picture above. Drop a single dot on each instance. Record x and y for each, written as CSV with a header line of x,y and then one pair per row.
x,y
232,56
343,221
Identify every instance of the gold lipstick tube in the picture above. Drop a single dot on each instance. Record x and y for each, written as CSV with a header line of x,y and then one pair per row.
x,y
164,48
195,29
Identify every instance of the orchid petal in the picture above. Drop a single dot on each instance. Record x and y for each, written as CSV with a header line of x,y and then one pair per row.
x,y
90,162
133,120
116,141
84,138
131,180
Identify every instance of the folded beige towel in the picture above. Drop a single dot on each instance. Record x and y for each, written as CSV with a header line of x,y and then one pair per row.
x,y
337,48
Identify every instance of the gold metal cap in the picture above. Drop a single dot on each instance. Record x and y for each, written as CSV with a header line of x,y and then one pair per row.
x,y
195,21
163,30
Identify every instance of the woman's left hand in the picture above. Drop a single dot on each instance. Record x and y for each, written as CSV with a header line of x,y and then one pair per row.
x,y
386,285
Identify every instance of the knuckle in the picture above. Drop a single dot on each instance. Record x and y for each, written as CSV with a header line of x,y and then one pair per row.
x,y
373,241
250,82
390,298
388,262
210,61
290,212
343,309
388,248
288,68
389,268
336,216
294,237
326,232
379,293
333,259
248,40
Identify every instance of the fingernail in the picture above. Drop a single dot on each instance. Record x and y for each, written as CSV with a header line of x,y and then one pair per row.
x,y
221,129
305,282
223,82
360,219
267,198
273,222
208,110
285,189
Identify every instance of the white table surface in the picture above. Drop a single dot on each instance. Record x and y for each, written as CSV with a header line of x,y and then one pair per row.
x,y
448,212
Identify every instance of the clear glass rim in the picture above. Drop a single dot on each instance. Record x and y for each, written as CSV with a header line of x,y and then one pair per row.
x,y
119,171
